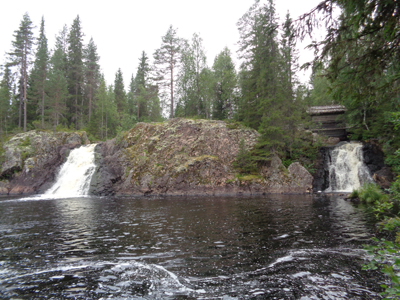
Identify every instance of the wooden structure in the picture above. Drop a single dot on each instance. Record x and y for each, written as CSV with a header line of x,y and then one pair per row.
x,y
328,120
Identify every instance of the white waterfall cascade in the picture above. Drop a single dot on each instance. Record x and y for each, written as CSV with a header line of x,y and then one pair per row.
x,y
75,174
347,170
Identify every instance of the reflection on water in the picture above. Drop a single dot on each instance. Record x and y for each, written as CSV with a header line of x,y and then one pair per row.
x,y
275,247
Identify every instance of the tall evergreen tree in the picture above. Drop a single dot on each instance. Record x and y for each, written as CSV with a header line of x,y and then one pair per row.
x,y
97,125
166,60
92,73
141,87
39,72
225,85
119,92
75,71
291,106
5,100
261,106
57,88
20,57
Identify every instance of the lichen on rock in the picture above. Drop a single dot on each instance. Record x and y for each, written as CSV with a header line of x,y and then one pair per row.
x,y
184,157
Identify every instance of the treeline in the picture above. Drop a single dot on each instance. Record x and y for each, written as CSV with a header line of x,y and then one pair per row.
x,y
63,88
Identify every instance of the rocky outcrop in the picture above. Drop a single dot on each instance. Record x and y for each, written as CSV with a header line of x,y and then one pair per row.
x,y
177,157
374,159
188,157
31,159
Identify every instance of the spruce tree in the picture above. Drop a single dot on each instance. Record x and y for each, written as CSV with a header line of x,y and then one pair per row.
x,y
39,73
141,86
75,72
92,73
119,92
57,88
225,85
5,100
292,107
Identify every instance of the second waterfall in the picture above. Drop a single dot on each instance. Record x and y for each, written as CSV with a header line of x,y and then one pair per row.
x,y
347,170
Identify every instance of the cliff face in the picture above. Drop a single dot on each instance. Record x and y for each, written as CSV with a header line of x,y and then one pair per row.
x,y
188,157
31,159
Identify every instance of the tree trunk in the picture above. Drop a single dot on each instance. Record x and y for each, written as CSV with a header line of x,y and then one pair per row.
x,y
25,79
90,102
172,91
43,105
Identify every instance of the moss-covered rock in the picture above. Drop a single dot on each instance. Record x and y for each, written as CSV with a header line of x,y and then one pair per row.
x,y
183,156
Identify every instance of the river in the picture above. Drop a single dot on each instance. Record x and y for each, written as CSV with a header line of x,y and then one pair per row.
x,y
270,247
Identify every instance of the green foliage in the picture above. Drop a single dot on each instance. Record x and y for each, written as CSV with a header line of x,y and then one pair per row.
x,y
354,195
375,198
385,257
224,85
26,142
395,190
370,193
244,162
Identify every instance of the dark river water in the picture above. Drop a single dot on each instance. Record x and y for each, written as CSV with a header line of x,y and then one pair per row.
x,y
272,247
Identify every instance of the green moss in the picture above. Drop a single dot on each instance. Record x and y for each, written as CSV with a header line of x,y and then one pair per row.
x,y
26,142
248,178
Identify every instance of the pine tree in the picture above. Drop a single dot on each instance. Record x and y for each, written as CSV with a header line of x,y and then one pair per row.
x,y
39,73
75,71
20,57
166,60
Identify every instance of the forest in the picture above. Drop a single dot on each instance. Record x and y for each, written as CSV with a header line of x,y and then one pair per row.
x,y
356,64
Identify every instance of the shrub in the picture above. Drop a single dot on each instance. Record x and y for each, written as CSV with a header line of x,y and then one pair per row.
x,y
370,193
244,162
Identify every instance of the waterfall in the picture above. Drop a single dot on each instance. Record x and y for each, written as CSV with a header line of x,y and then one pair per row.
x,y
75,174
347,170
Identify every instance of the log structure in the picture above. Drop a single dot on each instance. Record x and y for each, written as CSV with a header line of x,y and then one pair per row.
x,y
328,120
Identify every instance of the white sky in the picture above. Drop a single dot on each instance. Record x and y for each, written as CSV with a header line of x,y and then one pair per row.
x,y
123,29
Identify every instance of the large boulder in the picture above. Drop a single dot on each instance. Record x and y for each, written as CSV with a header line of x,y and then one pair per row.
x,y
187,157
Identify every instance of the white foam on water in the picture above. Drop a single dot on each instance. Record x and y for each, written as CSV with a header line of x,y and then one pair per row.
x,y
347,170
75,175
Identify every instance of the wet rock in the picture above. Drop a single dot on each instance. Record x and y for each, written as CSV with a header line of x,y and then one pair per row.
x,y
31,159
373,156
384,177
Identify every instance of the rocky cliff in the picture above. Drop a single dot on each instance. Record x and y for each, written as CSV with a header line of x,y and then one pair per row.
x,y
30,160
188,157
176,157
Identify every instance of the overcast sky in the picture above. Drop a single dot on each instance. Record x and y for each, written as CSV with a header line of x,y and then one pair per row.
x,y
123,29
